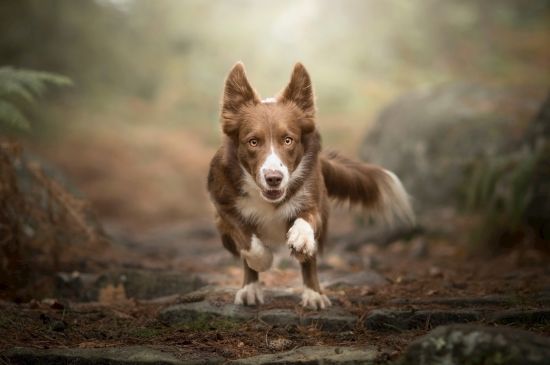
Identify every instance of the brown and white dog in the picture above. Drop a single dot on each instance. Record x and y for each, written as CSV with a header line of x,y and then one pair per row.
x,y
271,184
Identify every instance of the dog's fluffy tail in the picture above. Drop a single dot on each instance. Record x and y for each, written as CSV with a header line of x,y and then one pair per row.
x,y
379,191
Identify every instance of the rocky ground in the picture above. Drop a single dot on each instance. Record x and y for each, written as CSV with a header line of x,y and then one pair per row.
x,y
167,299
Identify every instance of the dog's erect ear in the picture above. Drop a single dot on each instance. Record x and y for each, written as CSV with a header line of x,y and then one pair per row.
x,y
300,91
237,93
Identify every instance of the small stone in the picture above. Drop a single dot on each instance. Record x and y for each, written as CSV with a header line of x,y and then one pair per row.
x,y
367,291
59,326
240,344
33,304
53,303
419,248
435,272
338,350
432,292
279,344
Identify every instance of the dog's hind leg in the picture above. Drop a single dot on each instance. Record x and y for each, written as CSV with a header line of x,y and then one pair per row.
x,y
312,297
251,292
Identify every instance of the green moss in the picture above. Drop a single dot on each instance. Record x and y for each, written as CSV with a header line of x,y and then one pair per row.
x,y
205,322
144,332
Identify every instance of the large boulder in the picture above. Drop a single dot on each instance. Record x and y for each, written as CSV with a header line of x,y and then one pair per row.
x,y
473,344
430,138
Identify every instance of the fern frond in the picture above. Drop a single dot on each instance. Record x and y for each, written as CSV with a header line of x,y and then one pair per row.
x,y
26,85
12,116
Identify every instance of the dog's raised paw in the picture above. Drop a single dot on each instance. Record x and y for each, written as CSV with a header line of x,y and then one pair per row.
x,y
250,294
314,300
301,239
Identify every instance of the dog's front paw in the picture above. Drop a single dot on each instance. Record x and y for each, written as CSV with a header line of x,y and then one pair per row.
x,y
314,300
250,294
301,240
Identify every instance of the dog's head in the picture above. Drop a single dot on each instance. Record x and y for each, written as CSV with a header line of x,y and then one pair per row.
x,y
268,135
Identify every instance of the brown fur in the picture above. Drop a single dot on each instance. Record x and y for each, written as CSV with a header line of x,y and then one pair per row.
x,y
252,130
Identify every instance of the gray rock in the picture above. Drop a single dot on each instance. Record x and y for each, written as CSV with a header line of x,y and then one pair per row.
x,y
331,319
518,316
430,137
312,355
399,319
138,284
280,317
190,312
472,344
137,355
488,300
362,278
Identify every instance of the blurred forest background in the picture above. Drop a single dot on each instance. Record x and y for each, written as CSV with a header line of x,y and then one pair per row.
x,y
135,131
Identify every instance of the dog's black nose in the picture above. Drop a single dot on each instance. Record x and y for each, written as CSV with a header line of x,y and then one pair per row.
x,y
273,178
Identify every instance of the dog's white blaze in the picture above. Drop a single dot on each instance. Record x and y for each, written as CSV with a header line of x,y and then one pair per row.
x,y
269,101
250,294
258,257
302,238
315,300
274,163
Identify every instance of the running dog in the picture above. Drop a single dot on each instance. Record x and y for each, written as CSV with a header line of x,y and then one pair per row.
x,y
271,184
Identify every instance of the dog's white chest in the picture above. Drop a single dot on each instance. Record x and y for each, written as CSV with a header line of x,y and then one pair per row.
x,y
272,222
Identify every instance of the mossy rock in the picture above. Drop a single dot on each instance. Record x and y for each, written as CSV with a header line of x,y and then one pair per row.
x,y
477,345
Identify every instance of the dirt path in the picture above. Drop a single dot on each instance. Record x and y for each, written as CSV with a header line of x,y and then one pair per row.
x,y
172,292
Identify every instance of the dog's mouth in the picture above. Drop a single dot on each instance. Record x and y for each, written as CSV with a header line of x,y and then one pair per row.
x,y
273,195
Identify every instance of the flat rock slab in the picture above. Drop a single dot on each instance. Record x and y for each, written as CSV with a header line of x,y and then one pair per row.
x,y
138,284
363,278
189,312
134,355
526,317
332,319
489,300
312,355
387,319
473,344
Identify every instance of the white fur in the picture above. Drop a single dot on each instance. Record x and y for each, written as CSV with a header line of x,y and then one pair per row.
x,y
395,202
301,238
250,294
314,300
258,257
274,163
269,101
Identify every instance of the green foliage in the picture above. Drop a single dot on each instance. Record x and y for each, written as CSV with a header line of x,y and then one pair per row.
x,y
500,189
18,85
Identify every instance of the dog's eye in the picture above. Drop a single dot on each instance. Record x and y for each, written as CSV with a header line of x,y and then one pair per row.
x,y
253,142
288,141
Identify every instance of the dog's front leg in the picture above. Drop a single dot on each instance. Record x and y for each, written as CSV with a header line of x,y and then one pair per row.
x,y
251,293
312,297
303,244
256,257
